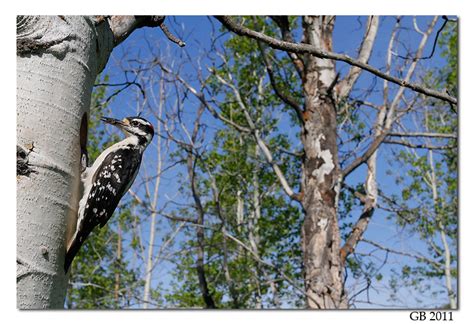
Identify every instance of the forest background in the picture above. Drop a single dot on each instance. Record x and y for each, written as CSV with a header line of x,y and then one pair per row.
x,y
111,75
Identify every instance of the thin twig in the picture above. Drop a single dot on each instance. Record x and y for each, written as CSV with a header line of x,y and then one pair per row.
x,y
435,263
434,43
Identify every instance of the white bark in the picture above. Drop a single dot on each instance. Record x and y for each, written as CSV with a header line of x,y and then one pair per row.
x,y
53,93
442,232
346,85
154,204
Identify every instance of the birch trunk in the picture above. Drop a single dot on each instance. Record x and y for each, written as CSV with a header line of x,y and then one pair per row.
x,y
320,234
61,57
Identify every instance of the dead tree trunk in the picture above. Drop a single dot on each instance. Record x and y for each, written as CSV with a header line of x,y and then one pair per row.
x,y
320,234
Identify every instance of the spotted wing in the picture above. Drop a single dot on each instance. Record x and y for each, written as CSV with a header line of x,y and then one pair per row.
x,y
110,182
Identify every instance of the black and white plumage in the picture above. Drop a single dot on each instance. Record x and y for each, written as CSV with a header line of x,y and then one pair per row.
x,y
108,179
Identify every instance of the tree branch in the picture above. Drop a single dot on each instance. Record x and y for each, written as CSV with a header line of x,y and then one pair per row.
x,y
419,146
200,235
151,210
385,118
284,24
433,49
122,26
308,49
170,36
357,231
345,86
267,264
202,99
262,145
364,157
370,202
436,264
286,98
421,134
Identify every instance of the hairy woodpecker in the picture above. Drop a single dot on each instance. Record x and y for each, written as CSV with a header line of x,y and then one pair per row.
x,y
108,179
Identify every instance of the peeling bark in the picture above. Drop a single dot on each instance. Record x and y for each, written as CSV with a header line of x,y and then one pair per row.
x,y
321,241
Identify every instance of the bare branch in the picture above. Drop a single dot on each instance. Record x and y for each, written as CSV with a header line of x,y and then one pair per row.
x,y
123,26
420,146
170,36
345,86
364,157
411,69
382,126
433,49
124,86
385,118
170,217
411,255
370,199
308,49
191,166
202,99
421,134
389,61
370,202
357,231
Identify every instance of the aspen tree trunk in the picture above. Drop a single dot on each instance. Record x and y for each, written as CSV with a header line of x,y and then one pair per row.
x,y
59,60
320,234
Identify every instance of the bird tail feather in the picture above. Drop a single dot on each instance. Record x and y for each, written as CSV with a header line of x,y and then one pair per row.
x,y
73,249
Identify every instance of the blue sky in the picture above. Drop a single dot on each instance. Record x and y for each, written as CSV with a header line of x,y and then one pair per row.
x,y
196,30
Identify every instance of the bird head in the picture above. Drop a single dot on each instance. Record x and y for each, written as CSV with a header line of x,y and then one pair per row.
x,y
133,126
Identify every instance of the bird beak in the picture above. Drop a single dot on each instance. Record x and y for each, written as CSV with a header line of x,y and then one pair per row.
x,y
115,122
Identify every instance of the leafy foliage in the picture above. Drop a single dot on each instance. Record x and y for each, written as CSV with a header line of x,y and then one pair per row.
x,y
428,204
243,177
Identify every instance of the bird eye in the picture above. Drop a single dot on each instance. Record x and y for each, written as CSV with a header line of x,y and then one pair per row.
x,y
134,123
